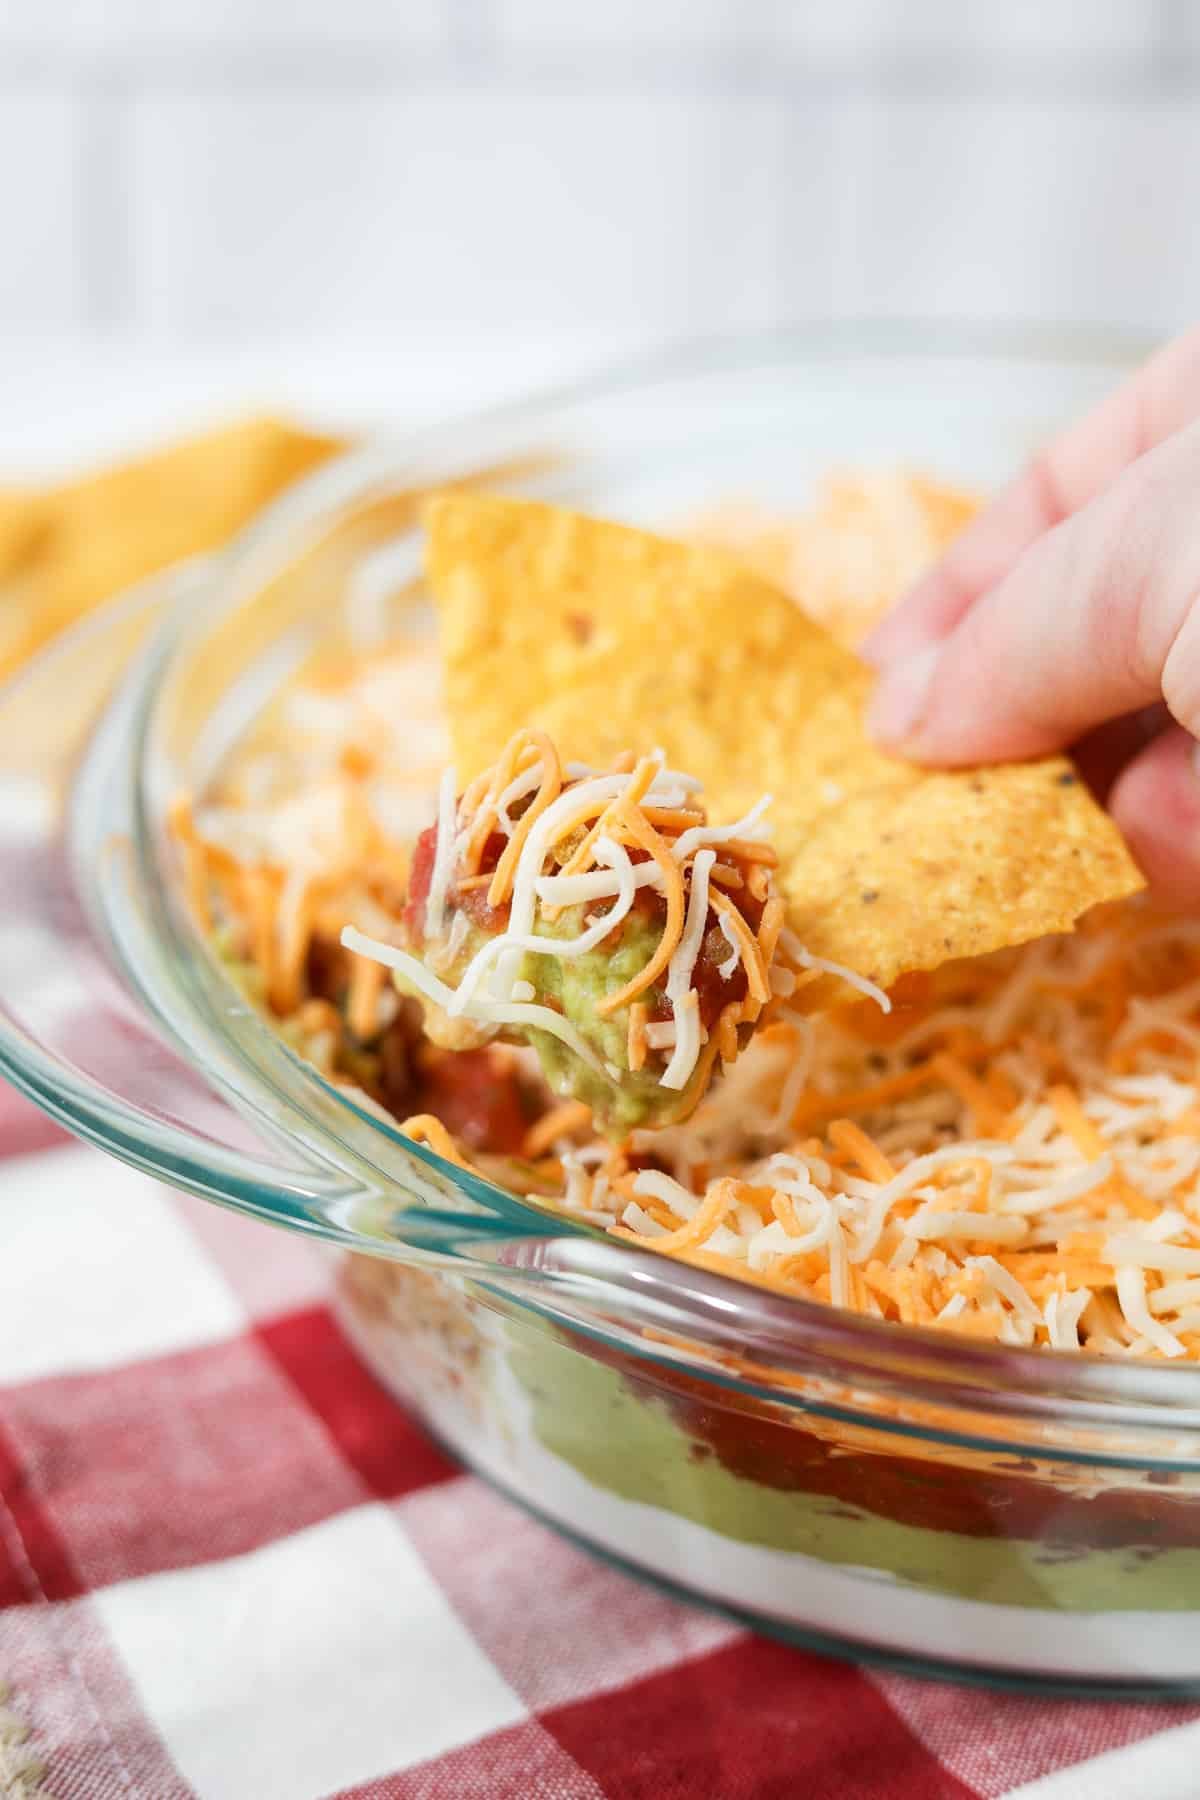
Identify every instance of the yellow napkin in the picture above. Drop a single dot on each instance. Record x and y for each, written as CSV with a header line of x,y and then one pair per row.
x,y
64,549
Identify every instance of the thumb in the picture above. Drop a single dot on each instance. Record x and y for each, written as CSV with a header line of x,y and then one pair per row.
x,y
1156,803
1098,617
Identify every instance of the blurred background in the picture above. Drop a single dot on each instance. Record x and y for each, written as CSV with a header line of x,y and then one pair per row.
x,y
375,210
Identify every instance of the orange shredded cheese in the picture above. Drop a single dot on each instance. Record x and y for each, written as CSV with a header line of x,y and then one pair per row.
x,y
854,1143
727,1031
362,1005
480,802
749,949
1078,1128
987,1115
424,1128
563,1121
551,786
641,778
649,840
294,935
716,1203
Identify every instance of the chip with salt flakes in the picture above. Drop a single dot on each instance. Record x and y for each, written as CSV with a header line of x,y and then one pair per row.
x,y
611,639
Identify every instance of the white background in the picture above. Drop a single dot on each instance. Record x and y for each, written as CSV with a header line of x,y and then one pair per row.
x,y
387,206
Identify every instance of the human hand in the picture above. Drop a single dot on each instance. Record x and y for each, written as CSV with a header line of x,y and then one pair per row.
x,y
1069,613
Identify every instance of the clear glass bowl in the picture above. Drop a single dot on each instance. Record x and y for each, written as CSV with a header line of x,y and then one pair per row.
x,y
880,1491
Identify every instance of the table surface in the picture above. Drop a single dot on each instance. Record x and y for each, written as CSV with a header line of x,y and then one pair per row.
x,y
231,1567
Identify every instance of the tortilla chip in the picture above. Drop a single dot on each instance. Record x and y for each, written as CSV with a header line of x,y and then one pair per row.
x,y
610,639
66,549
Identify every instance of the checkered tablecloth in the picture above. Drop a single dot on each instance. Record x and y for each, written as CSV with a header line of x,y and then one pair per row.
x,y
231,1567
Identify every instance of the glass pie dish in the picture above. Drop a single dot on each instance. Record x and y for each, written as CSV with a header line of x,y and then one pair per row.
x,y
881,1491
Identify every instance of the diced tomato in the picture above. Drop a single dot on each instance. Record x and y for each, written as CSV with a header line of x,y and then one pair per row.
x,y
713,991
474,900
478,1098
477,1094
420,876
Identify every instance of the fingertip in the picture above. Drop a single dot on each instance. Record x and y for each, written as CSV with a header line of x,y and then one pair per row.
x,y
924,615
1156,804
900,699
942,706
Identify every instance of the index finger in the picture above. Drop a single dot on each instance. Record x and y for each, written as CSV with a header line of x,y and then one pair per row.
x,y
1077,466
1099,617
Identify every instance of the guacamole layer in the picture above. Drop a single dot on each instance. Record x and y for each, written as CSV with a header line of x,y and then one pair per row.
x,y
934,1525
621,1099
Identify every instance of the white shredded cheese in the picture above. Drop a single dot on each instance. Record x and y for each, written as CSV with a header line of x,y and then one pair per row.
x,y
527,782
701,835
680,970
498,950
933,1222
1006,1285
687,1042
1131,1294
445,954
491,1013
1143,1253
1063,1313
657,1186
443,860
793,948
726,969
573,890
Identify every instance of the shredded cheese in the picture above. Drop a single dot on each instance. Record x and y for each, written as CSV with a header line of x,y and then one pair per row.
x,y
1040,1234
687,1042
443,859
806,960
494,1013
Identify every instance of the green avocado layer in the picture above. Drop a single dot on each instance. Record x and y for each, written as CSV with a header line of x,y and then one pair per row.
x,y
630,1445
633,1099
621,1102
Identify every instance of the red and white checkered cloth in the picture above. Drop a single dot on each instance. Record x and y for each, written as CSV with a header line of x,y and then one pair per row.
x,y
231,1567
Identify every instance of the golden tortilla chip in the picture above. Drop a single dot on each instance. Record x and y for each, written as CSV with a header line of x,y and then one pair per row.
x,y
68,548
610,639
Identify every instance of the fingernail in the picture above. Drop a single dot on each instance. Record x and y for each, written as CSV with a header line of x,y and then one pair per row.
x,y
898,704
